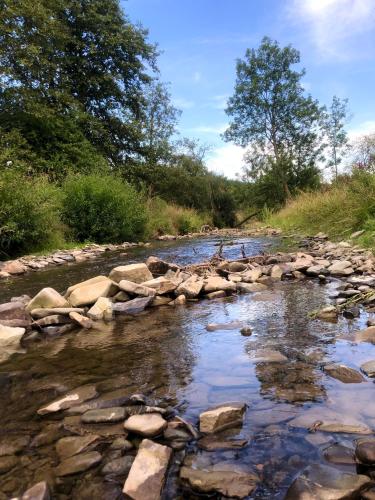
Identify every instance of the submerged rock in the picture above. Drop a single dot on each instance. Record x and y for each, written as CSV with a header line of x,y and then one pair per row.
x,y
7,463
344,374
267,356
339,454
115,414
148,424
72,445
365,451
221,417
78,463
147,474
212,443
327,420
72,398
118,466
40,491
10,444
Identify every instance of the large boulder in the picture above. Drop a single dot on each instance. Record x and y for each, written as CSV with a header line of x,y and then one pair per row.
x,y
148,424
137,273
191,287
9,341
14,267
47,298
322,482
90,281
221,417
147,474
89,294
216,283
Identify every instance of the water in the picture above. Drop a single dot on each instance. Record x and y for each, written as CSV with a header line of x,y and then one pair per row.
x,y
168,354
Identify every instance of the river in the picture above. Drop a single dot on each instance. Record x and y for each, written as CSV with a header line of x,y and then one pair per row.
x,y
168,354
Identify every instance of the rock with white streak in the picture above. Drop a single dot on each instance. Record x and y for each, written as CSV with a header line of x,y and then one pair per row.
x,y
72,398
40,491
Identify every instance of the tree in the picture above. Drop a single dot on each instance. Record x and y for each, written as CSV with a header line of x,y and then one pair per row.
x,y
364,153
272,117
334,120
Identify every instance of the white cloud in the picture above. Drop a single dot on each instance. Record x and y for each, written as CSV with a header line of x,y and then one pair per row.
x,y
333,24
364,128
209,129
182,103
226,160
220,101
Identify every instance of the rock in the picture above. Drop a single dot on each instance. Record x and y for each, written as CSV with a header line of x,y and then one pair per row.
x,y
137,273
356,234
47,298
160,300
368,368
72,445
115,414
352,312
368,494
213,443
78,463
251,276
88,294
179,301
40,491
319,482
134,306
13,310
222,478
7,463
365,451
136,289
54,319
148,425
250,287
48,435
221,417
246,331
10,341
52,331
367,335
119,466
158,267
191,288
122,444
91,281
216,283
341,268
14,267
329,313
327,420
161,285
276,272
216,295
267,356
121,296
101,307
344,374
233,325
338,454
60,311
10,444
236,267
316,270
147,474
82,321
72,398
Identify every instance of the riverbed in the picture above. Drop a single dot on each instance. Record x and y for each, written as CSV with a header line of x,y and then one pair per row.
x,y
168,354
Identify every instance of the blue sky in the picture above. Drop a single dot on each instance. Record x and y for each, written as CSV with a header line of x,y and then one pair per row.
x,y
201,39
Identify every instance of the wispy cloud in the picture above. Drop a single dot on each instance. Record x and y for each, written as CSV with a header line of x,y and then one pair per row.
x,y
226,160
182,103
209,129
334,24
219,101
364,128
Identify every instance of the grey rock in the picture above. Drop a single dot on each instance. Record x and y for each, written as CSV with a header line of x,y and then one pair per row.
x,y
115,414
132,307
368,368
119,466
78,463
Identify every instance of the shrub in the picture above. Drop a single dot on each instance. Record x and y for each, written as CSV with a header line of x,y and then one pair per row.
x,y
29,214
104,209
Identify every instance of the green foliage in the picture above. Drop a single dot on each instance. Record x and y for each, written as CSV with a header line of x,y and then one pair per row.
x,y
103,209
29,214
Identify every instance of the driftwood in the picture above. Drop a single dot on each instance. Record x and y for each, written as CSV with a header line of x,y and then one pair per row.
x,y
247,218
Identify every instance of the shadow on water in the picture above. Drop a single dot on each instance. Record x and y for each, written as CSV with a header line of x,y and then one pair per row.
x,y
168,353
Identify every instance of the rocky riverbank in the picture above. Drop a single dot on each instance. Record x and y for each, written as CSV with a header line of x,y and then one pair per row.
x,y
140,437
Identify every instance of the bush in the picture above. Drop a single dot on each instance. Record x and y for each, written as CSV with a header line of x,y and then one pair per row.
x,y
103,209
29,215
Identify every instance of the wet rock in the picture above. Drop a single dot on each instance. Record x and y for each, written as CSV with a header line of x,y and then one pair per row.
x,y
367,335
112,399
134,306
47,435
39,491
318,482
175,432
7,463
158,267
213,443
72,445
250,287
74,425
216,295
191,288
179,301
82,321
368,368
339,454
116,414
13,310
47,298
221,417
300,393
329,313
54,319
10,338
137,273
65,311
160,300
52,331
352,312
118,467
233,325
147,474
327,420
344,374
72,398
161,285
365,451
89,294
122,444
102,306
11,445
78,463
251,276
246,331
223,478
148,425
216,283
267,356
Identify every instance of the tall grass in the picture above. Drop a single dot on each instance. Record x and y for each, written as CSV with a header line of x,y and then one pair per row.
x,y
339,210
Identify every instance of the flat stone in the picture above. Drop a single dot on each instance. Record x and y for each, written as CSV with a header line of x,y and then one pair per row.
x,y
222,478
190,288
221,417
74,425
213,443
65,311
13,310
322,482
78,463
326,420
118,466
82,321
366,335
11,444
72,398
136,289
91,281
47,298
116,414
7,463
148,425
147,474
216,283
72,445
40,491
267,356
368,368
339,266
89,294
134,306
365,451
52,331
137,273
54,319
161,285
250,287
339,454
233,325
344,374
215,295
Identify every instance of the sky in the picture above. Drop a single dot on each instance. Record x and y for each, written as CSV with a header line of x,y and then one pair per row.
x,y
200,41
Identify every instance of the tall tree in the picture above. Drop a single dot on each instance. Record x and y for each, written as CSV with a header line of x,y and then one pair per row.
x,y
272,117
334,121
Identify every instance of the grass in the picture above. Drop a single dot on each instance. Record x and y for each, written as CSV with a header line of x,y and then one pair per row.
x,y
339,210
